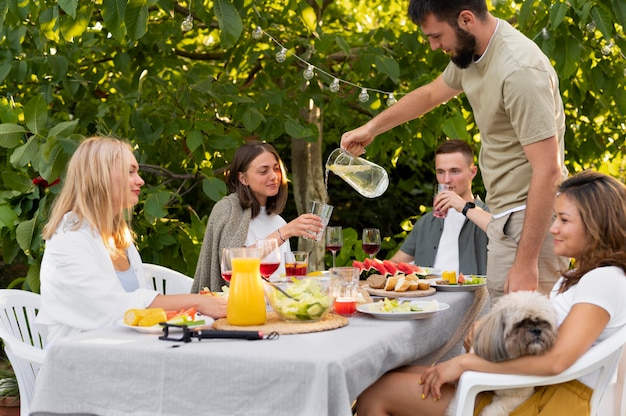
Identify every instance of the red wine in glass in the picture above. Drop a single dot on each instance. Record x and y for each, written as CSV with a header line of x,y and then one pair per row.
x,y
268,268
333,247
227,275
371,249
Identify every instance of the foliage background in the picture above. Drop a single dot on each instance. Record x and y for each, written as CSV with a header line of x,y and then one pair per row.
x,y
187,99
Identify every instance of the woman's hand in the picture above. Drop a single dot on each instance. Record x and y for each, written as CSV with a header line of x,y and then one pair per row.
x,y
213,306
436,376
306,225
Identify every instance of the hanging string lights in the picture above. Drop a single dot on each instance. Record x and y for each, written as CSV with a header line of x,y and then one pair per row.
x,y
311,70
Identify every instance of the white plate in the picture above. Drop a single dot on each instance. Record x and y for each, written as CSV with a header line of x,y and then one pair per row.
x,y
455,288
432,271
372,309
158,329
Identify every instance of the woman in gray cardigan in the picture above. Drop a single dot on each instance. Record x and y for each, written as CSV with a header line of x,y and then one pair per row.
x,y
258,192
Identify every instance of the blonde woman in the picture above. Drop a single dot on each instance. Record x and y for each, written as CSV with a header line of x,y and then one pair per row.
x,y
91,272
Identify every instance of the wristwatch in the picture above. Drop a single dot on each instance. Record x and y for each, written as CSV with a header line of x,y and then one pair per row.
x,y
468,206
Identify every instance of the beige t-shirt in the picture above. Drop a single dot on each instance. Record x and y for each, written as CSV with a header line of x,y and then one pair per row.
x,y
514,93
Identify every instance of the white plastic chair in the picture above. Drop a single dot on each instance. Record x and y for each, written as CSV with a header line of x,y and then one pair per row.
x,y
167,281
603,356
23,343
613,402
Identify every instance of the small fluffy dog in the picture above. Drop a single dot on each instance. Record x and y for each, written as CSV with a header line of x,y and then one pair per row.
x,y
520,323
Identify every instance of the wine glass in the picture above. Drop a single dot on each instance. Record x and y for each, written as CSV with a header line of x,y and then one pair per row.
x,y
334,240
371,241
270,256
226,267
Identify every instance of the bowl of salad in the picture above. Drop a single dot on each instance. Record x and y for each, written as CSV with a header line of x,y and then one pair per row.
x,y
309,302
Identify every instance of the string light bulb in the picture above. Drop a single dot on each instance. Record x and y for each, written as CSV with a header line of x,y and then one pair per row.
x,y
257,33
364,96
308,73
334,86
606,49
591,27
391,100
187,24
281,56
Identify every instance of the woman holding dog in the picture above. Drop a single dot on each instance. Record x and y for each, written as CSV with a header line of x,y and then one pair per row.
x,y
590,228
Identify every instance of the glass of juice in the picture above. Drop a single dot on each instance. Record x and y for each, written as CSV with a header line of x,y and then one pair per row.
x,y
344,288
270,256
296,264
226,267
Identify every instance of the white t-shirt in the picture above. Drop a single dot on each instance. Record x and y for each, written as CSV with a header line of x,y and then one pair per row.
x,y
604,287
264,225
447,257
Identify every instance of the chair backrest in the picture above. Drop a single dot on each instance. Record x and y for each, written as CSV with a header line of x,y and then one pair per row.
x,y
603,356
23,343
167,281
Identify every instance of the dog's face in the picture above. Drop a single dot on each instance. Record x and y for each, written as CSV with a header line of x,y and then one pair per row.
x,y
520,323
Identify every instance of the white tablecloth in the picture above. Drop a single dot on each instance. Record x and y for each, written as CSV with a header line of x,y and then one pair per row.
x,y
118,371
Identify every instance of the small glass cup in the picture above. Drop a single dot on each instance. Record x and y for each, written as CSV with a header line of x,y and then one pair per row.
x,y
324,211
296,264
436,212
344,288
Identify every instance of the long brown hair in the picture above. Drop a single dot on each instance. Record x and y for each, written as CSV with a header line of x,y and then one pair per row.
x,y
601,201
244,155
95,190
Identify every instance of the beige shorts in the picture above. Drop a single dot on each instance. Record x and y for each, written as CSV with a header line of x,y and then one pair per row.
x,y
565,399
504,234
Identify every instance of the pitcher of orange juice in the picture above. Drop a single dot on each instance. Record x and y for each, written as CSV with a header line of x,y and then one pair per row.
x,y
246,299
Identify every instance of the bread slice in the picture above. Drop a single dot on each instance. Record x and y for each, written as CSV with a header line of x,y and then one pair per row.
x,y
423,285
402,284
391,283
376,281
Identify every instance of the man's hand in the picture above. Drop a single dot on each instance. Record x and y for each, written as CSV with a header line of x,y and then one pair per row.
x,y
354,141
522,277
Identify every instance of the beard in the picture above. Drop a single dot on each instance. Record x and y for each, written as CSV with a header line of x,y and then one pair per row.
x,y
465,50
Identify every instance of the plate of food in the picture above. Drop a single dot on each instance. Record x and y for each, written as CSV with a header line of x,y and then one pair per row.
x,y
147,320
463,284
397,310
431,271
398,286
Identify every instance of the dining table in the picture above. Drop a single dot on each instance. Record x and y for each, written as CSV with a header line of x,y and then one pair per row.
x,y
116,370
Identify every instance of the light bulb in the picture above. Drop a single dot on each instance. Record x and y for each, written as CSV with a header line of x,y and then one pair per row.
x,y
591,27
606,49
187,24
257,33
391,100
334,86
281,56
544,33
364,96
308,73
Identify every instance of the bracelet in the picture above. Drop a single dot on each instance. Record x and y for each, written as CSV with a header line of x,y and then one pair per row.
x,y
281,236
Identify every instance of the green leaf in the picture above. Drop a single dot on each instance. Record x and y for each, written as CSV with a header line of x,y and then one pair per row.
x,y
8,217
154,205
388,66
309,18
36,114
5,70
11,135
557,13
17,181
214,188
25,232
24,154
136,18
455,127
63,129
69,7
252,118
602,18
619,9
229,22
194,139
113,16
297,130
49,21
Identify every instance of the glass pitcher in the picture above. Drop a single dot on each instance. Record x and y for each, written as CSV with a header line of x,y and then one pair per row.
x,y
367,178
246,299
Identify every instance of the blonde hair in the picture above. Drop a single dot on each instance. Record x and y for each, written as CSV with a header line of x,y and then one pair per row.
x,y
95,190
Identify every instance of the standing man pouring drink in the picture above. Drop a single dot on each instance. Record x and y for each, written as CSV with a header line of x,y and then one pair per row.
x,y
514,93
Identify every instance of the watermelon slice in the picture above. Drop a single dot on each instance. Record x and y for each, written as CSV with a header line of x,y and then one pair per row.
x,y
378,265
391,267
367,263
359,265
418,270
405,267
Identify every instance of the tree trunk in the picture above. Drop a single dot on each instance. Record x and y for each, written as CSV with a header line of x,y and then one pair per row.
x,y
308,182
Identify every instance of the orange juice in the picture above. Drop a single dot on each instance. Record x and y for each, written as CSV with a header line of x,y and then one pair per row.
x,y
246,299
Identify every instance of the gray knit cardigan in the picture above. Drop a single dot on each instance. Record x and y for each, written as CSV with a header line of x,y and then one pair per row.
x,y
227,227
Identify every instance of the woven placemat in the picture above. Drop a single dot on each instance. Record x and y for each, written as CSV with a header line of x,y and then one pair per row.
x,y
274,324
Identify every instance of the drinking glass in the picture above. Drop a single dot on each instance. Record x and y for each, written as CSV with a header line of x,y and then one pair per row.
x,y
371,241
296,264
334,240
439,188
226,267
344,288
270,256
